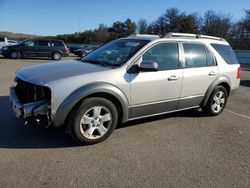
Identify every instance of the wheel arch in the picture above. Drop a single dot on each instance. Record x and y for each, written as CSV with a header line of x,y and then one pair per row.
x,y
222,81
16,50
104,90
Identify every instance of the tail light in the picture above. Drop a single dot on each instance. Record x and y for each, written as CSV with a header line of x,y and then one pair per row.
x,y
238,73
66,49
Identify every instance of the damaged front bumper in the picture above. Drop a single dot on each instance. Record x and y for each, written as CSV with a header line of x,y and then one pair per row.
x,y
38,111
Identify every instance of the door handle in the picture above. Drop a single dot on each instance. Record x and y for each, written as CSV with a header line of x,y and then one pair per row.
x,y
212,73
173,78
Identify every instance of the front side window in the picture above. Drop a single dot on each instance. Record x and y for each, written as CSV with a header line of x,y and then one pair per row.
x,y
2,39
29,43
195,55
166,55
115,53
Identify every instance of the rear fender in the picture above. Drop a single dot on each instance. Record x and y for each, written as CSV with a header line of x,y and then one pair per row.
x,y
218,81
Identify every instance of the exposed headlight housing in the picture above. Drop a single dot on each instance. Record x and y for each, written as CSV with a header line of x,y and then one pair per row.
x,y
5,48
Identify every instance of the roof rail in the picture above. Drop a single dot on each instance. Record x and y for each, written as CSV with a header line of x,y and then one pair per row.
x,y
189,35
144,36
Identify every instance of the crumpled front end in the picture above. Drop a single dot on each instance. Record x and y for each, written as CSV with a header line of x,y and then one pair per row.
x,y
31,102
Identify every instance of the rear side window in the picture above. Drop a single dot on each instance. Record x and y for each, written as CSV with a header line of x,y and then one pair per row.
x,y
210,58
56,43
195,55
165,54
226,53
43,43
2,39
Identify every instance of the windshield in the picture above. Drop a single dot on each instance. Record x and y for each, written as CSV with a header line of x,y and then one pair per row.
x,y
115,53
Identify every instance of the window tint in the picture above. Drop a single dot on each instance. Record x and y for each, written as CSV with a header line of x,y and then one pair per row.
x,y
210,58
56,43
43,43
29,43
2,39
165,54
195,55
226,53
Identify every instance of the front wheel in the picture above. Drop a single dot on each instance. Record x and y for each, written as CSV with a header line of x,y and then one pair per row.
x,y
15,55
217,101
92,121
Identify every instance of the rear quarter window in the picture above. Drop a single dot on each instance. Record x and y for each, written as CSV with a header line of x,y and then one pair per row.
x,y
226,52
57,43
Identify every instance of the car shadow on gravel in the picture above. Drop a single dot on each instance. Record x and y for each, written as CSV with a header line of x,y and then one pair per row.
x,y
245,83
14,134
196,113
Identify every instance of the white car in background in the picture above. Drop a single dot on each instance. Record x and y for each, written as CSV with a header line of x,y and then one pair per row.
x,y
3,42
12,42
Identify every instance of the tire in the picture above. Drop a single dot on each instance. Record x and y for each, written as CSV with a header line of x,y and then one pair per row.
x,y
57,56
79,54
216,102
15,55
92,121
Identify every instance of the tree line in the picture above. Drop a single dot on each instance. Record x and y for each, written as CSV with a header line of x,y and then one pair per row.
x,y
172,20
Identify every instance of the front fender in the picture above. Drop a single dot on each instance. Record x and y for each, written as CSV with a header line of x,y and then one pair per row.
x,y
67,105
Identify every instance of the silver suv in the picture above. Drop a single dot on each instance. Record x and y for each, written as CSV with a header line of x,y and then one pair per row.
x,y
127,79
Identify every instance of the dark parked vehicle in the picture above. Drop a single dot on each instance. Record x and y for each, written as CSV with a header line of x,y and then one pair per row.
x,y
84,51
54,49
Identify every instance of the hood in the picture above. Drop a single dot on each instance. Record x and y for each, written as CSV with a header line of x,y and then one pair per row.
x,y
45,73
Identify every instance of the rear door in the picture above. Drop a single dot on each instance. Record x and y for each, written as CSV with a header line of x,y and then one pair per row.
x,y
200,70
43,48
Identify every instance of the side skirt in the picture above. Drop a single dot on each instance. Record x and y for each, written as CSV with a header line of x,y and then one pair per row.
x,y
167,112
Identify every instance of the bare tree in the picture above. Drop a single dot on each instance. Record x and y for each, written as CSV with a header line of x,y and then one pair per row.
x,y
142,26
216,24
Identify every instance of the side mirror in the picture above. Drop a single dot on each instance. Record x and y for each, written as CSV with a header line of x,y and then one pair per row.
x,y
147,66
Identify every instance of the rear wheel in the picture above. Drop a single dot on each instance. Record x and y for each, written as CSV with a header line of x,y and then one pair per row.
x,y
93,121
15,55
217,101
57,56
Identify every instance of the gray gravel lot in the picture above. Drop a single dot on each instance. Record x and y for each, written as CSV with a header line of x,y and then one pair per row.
x,y
185,149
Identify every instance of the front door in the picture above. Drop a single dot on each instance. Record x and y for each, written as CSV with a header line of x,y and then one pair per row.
x,y
157,92
29,48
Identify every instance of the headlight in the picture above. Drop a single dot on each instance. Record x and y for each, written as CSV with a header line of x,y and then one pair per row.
x,y
5,48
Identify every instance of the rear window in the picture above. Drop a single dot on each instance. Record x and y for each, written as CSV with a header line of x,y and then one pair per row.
x,y
226,53
56,43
